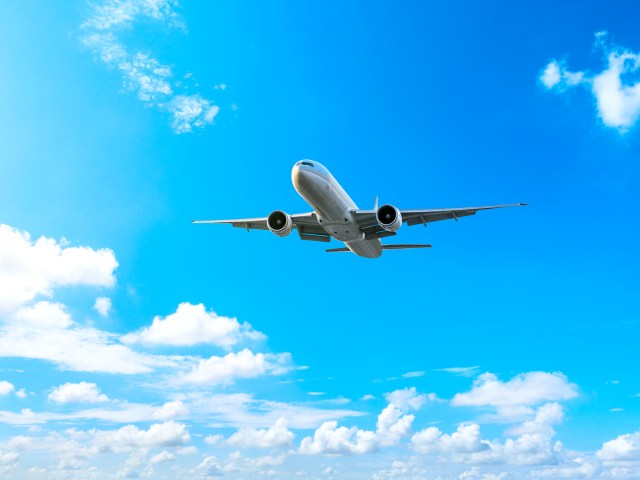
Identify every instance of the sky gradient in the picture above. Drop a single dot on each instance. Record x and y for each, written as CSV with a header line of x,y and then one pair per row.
x,y
135,344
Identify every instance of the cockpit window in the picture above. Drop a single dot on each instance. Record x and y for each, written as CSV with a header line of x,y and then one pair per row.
x,y
308,164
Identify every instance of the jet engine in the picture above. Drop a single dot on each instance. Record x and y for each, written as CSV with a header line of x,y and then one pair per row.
x,y
389,218
279,223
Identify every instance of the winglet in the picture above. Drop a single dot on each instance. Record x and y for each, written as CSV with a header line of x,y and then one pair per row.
x,y
523,204
375,204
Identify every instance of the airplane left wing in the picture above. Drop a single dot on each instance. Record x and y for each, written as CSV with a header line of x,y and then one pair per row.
x,y
366,219
306,224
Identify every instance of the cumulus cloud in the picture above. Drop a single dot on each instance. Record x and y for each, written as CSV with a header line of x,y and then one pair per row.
x,y
525,389
173,409
130,437
192,325
77,392
617,95
243,364
8,461
331,439
393,424
209,467
6,388
466,439
142,74
624,447
102,306
43,315
162,457
532,442
278,435
29,268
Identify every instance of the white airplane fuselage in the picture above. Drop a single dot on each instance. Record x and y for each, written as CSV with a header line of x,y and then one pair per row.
x,y
332,206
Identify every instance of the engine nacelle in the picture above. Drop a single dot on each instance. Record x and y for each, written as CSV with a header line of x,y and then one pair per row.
x,y
389,218
280,223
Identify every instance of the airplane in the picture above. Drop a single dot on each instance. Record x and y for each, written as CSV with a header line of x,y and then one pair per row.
x,y
335,215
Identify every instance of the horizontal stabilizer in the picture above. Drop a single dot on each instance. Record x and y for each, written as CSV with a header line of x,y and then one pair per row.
x,y
401,246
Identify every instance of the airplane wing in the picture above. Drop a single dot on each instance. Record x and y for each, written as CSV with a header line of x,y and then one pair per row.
x,y
366,219
306,224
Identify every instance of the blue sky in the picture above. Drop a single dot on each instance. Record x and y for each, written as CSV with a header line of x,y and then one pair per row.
x,y
134,344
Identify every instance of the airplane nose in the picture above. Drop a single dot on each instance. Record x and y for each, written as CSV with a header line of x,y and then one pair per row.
x,y
298,176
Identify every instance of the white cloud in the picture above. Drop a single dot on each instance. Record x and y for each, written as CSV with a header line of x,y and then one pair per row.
x,y
278,435
618,103
525,389
555,75
130,437
8,461
29,268
142,74
578,468
393,424
43,315
192,325
77,392
407,398
551,75
6,388
331,439
173,409
625,447
103,306
162,457
122,13
617,99
76,348
191,111
461,371
244,364
209,467
237,410
409,469
476,474
532,445
466,439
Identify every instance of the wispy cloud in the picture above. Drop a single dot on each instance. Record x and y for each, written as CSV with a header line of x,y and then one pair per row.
x,y
461,371
143,74
617,96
